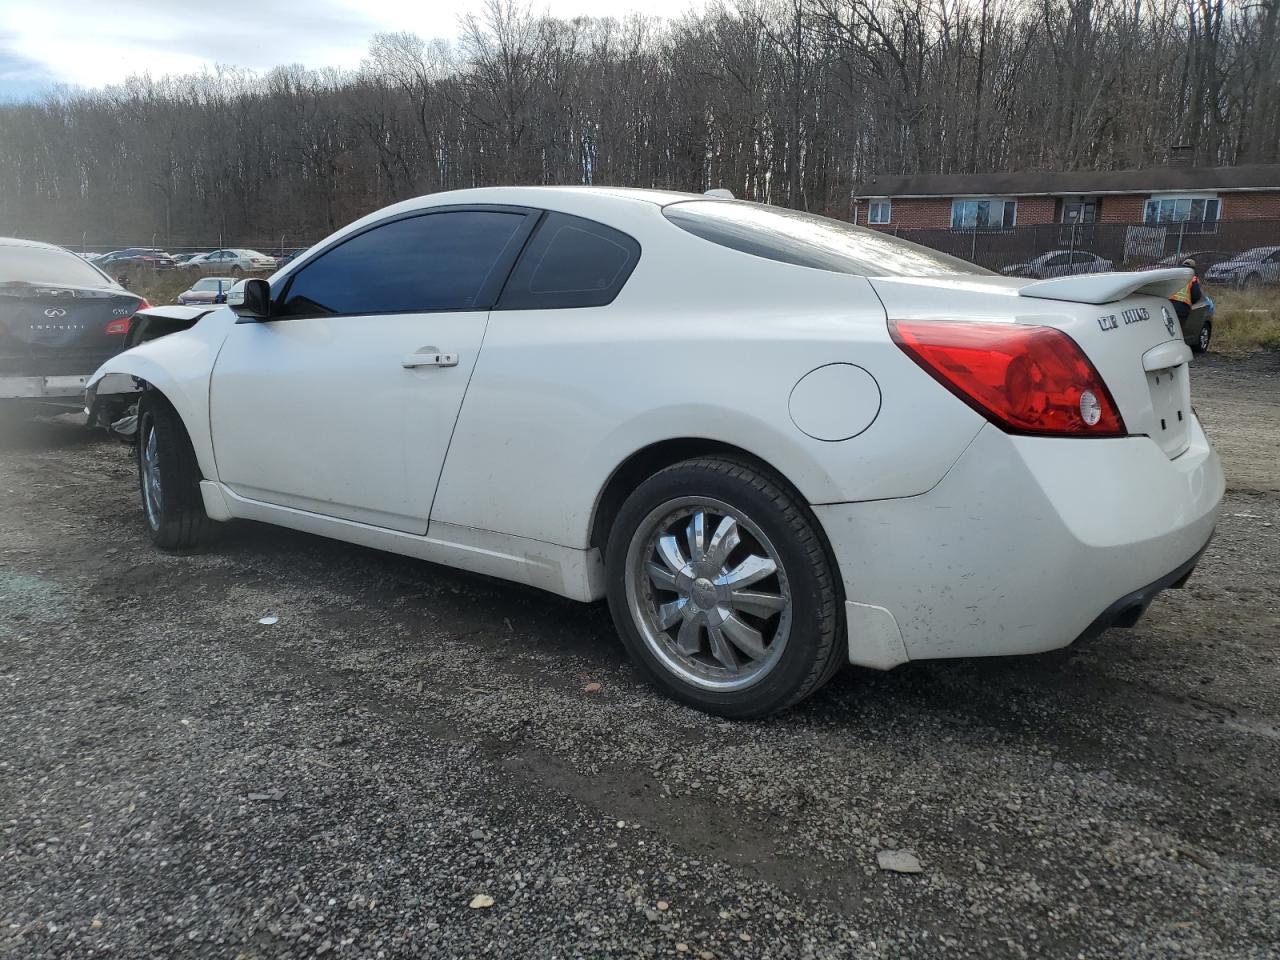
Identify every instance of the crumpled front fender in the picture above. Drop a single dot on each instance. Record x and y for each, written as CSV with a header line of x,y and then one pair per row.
x,y
178,366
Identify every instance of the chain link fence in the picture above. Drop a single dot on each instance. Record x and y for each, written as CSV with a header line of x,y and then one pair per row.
x,y
1237,252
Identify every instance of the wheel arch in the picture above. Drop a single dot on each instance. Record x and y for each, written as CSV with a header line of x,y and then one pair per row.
x,y
174,370
648,460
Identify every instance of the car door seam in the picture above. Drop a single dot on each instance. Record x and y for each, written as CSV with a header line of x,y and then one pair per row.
x,y
435,492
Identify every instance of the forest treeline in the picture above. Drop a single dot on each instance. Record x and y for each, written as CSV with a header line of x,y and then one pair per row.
x,y
787,101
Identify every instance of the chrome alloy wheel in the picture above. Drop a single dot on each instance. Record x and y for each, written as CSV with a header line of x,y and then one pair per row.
x,y
152,498
708,592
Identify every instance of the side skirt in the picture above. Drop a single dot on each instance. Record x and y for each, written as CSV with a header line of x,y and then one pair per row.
x,y
576,574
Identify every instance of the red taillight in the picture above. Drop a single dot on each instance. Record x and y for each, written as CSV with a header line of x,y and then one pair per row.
x,y
1024,379
120,325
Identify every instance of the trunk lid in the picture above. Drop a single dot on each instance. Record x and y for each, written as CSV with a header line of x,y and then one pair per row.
x,y
1121,321
52,329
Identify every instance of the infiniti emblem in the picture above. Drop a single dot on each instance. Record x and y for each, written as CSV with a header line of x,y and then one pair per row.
x,y
54,312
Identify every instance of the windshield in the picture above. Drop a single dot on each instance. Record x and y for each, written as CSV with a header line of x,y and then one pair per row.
x,y
806,240
47,265
212,283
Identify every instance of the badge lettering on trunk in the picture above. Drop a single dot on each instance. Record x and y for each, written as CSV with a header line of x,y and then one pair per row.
x,y
1111,321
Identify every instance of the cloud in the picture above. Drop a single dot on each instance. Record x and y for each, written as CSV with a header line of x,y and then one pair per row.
x,y
89,43
21,77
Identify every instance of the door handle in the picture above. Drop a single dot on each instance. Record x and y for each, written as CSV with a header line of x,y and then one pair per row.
x,y
432,359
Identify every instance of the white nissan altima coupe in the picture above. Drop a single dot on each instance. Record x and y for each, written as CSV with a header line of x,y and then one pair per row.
x,y
775,442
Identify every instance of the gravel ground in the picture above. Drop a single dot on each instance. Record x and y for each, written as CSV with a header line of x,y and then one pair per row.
x,y
180,780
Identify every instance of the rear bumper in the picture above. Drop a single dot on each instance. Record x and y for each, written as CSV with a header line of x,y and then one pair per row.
x,y
38,388
1128,610
1026,545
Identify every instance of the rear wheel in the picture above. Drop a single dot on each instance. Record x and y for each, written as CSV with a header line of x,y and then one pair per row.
x,y
722,590
1202,341
1251,281
169,477
237,270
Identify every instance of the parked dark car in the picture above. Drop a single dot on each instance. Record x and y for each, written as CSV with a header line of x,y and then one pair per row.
x,y
1197,329
136,256
60,319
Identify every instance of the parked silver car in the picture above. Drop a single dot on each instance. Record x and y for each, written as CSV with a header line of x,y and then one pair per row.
x,y
1058,263
1249,269
232,260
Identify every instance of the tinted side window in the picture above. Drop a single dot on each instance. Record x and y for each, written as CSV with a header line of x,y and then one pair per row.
x,y
436,261
570,262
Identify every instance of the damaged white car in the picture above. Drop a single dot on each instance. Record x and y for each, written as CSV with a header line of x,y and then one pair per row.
x,y
776,443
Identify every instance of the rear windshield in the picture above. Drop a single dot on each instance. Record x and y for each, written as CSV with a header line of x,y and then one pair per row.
x,y
213,283
806,240
42,265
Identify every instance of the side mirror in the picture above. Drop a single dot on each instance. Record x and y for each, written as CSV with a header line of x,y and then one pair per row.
x,y
250,300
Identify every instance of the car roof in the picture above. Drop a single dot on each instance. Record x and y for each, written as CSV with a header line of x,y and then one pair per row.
x,y
19,242
539,196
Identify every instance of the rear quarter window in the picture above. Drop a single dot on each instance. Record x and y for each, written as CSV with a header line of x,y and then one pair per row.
x,y
570,262
806,240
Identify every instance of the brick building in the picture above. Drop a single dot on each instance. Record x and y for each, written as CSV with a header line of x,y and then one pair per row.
x,y
1197,197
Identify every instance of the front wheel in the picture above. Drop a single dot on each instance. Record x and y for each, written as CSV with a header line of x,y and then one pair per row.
x,y
169,477
722,590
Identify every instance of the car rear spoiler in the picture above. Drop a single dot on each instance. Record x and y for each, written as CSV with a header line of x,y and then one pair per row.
x,y
1107,287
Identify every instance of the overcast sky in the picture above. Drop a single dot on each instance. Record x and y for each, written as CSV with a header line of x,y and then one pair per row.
x,y
92,43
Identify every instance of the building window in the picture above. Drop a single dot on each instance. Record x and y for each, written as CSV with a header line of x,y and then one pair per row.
x,y
984,213
1079,210
879,211
1196,212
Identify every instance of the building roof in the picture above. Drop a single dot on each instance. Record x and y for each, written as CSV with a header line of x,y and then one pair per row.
x,y
1030,183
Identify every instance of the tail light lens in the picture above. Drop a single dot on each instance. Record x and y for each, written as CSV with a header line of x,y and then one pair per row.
x,y
1026,380
120,326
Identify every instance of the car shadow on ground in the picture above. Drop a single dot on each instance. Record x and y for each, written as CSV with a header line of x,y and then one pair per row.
x,y
32,429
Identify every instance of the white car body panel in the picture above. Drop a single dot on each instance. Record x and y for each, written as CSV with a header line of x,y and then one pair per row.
x,y
179,366
951,537
347,430
1083,520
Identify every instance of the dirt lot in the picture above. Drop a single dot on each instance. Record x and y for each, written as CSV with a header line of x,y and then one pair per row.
x,y
178,780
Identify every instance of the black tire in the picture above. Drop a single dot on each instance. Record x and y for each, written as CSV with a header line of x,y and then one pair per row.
x,y
1251,281
1201,342
814,648
237,270
179,522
